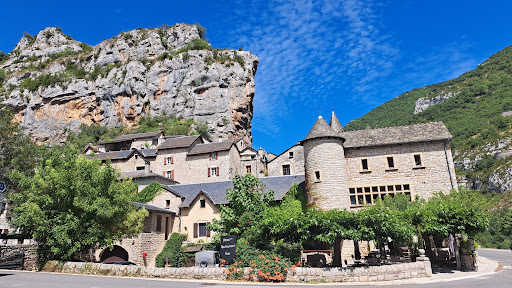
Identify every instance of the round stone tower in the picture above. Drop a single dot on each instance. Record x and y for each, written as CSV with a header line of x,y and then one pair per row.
x,y
325,165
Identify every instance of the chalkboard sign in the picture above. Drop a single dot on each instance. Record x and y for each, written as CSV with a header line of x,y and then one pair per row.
x,y
228,247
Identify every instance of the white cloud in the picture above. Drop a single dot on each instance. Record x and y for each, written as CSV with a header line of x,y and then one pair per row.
x,y
309,51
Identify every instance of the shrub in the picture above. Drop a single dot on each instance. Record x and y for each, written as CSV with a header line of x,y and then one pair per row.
x,y
172,254
148,194
127,36
3,57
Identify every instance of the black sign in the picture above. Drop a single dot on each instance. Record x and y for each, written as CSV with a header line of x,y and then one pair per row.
x,y
228,247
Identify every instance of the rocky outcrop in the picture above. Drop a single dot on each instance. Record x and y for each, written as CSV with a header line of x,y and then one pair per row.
x,y
54,83
426,102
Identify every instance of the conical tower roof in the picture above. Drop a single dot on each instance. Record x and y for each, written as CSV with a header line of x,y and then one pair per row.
x,y
321,129
335,123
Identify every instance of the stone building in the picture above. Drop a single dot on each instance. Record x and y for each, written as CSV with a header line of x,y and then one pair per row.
x,y
290,162
346,170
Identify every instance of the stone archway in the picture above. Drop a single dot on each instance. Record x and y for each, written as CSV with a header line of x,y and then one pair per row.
x,y
117,254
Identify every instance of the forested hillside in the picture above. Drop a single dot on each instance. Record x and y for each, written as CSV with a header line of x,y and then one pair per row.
x,y
475,109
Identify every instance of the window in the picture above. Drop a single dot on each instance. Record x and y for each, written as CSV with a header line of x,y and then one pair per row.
x,y
364,165
391,162
290,155
169,174
213,172
318,177
169,160
248,169
158,223
417,160
140,168
167,203
202,229
360,196
213,156
286,169
203,203
136,156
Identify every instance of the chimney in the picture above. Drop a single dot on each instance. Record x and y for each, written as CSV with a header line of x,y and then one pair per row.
x,y
146,168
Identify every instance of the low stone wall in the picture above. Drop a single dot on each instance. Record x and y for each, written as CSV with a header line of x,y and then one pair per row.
x,y
362,274
351,274
29,252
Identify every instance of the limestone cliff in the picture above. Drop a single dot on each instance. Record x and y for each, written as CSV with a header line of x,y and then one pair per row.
x,y
55,83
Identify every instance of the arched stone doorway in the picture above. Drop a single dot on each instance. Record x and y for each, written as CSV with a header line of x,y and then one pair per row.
x,y
117,254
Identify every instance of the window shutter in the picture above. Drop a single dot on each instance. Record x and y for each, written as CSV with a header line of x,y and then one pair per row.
x,y
196,228
218,168
207,230
163,174
165,160
208,172
210,156
172,174
172,159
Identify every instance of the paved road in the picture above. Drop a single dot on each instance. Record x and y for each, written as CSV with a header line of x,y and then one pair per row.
x,y
22,279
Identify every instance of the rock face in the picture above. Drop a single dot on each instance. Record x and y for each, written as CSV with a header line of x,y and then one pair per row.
x,y
55,84
426,102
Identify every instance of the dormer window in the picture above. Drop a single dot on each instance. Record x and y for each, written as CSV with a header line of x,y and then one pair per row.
x,y
213,156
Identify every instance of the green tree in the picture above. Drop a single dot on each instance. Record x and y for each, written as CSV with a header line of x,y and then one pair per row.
x,y
72,203
247,204
17,150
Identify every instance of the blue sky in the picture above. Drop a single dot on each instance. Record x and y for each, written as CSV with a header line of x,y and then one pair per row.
x,y
350,56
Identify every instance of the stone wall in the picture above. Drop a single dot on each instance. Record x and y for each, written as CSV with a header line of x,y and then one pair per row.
x,y
432,176
151,243
275,167
29,251
326,156
354,274
131,164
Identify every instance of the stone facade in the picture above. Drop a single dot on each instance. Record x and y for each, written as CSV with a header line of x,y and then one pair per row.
x,y
29,252
293,157
436,172
133,163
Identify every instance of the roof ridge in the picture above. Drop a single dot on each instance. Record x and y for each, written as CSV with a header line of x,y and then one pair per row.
x,y
408,125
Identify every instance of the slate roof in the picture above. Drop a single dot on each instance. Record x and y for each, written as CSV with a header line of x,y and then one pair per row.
x,y
92,147
143,174
335,123
153,208
217,191
432,131
148,152
113,155
129,137
210,147
321,129
178,142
